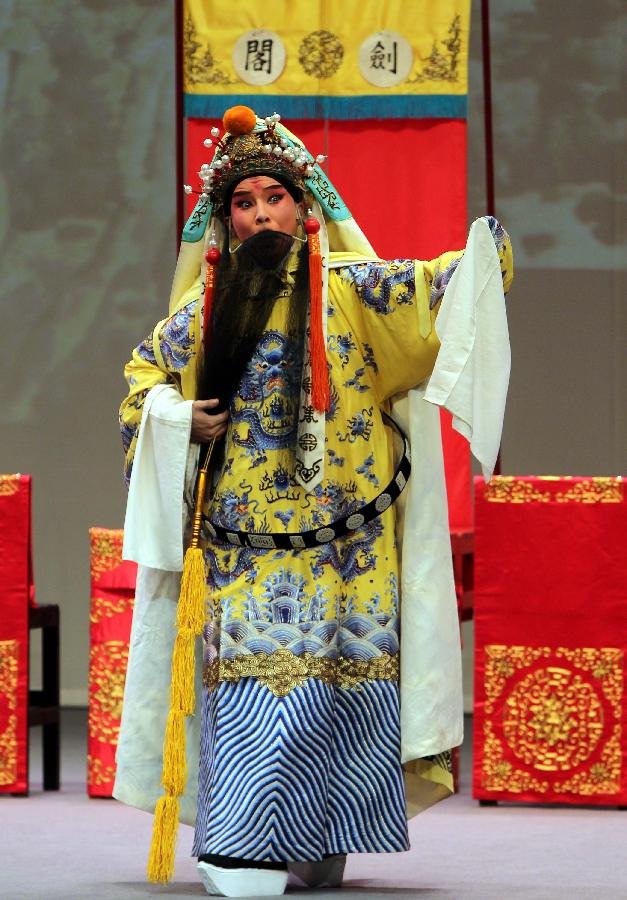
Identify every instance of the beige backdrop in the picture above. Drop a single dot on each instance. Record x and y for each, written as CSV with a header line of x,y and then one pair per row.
x,y
87,199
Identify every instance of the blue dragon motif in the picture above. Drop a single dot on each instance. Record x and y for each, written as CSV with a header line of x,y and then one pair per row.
x,y
366,470
266,401
375,281
235,511
350,557
343,345
221,574
176,338
359,426
355,381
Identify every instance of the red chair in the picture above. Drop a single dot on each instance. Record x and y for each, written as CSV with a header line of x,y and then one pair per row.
x,y
112,594
21,707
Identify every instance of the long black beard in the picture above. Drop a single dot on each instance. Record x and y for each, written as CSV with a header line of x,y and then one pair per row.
x,y
244,298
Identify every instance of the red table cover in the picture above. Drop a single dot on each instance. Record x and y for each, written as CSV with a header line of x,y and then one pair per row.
x,y
112,593
550,707
16,592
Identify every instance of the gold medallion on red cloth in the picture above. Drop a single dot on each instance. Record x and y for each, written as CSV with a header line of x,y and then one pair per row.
x,y
112,593
550,641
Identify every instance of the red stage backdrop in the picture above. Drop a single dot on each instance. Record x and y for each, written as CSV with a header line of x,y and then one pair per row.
x,y
112,593
395,137
16,594
550,709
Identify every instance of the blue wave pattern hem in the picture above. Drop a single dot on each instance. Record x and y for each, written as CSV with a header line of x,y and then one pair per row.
x,y
294,778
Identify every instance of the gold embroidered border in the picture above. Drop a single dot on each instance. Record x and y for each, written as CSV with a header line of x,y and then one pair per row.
x,y
283,670
107,674
510,489
9,485
106,550
9,659
601,778
557,708
501,663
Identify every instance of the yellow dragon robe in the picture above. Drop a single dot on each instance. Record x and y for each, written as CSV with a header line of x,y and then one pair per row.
x,y
301,650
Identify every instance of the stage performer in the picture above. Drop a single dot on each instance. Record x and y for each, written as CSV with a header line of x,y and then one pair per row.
x,y
289,358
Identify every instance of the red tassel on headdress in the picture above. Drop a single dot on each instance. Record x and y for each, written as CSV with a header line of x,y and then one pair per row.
x,y
213,258
317,349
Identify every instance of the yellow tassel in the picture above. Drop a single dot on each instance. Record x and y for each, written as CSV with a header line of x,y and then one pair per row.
x,y
190,612
182,695
190,620
174,775
161,858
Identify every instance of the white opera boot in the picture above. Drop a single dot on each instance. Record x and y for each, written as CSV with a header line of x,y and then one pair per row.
x,y
327,872
242,882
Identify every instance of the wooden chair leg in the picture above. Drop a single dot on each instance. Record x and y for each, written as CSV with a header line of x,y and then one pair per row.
x,y
51,737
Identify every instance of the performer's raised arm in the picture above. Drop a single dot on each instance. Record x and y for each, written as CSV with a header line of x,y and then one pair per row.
x,y
391,308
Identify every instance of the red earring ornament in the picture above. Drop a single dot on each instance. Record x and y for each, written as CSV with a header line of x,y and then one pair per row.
x,y
213,259
320,393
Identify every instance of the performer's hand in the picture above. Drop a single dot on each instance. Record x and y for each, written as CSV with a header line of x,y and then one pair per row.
x,y
204,425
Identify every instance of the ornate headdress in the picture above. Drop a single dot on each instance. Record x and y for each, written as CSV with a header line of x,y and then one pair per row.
x,y
252,146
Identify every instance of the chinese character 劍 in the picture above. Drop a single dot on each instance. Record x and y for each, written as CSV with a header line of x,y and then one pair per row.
x,y
382,58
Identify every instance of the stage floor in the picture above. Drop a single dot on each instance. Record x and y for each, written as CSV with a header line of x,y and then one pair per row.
x,y
63,845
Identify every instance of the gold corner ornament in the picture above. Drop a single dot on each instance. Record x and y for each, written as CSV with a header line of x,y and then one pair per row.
x,y
9,659
9,485
106,550
515,490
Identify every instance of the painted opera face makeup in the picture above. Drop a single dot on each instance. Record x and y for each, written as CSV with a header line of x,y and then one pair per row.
x,y
261,203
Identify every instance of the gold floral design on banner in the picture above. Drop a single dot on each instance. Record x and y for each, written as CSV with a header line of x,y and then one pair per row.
x,y
510,489
442,64
282,671
98,773
321,54
107,673
9,485
199,63
553,718
9,659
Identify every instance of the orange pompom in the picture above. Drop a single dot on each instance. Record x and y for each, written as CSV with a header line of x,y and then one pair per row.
x,y
239,120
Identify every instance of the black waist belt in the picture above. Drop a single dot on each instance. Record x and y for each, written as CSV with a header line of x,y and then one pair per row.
x,y
301,540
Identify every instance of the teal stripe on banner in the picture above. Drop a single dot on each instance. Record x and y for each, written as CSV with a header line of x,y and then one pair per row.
x,y
394,106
